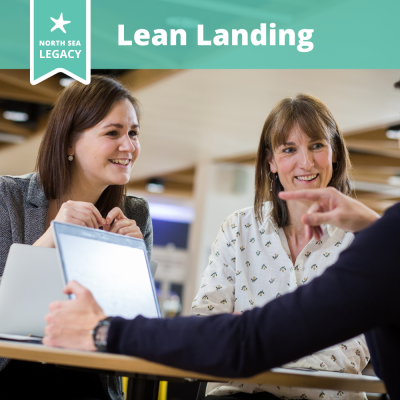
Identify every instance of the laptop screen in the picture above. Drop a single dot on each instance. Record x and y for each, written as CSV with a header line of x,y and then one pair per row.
x,y
113,267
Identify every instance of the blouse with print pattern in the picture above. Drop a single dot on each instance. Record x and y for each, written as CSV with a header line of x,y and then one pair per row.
x,y
250,265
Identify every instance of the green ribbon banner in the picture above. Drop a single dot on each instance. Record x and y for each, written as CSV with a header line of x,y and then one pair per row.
x,y
60,39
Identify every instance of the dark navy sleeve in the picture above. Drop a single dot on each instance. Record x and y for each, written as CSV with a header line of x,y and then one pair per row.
x,y
358,293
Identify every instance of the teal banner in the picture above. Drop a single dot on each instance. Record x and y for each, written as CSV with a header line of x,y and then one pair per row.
x,y
125,34
60,39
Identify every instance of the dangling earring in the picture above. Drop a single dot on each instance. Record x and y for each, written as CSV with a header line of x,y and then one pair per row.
x,y
71,157
272,180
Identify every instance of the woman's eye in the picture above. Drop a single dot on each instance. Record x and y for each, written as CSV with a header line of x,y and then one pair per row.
x,y
112,133
317,145
133,134
289,150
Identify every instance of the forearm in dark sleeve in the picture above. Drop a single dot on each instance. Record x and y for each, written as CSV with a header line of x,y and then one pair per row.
x,y
356,294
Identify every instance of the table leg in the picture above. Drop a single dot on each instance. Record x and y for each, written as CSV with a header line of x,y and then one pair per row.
x,y
142,389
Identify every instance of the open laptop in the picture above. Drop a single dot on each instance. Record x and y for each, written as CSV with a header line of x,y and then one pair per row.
x,y
32,279
113,267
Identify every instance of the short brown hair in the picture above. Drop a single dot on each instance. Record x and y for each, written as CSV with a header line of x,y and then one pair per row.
x,y
317,122
79,107
397,85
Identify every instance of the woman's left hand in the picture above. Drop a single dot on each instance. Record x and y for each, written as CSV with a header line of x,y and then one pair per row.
x,y
122,225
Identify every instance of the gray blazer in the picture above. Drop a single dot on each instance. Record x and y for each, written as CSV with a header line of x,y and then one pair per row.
x,y
23,216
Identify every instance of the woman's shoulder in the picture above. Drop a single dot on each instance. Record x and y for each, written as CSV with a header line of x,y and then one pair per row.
x,y
136,206
340,237
250,213
17,184
239,214
244,216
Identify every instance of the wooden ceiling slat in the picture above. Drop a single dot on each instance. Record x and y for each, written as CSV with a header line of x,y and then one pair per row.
x,y
9,91
377,196
373,160
374,134
388,144
139,78
379,206
49,88
11,127
387,149
368,177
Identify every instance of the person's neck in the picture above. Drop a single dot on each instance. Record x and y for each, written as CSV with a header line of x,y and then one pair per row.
x,y
83,190
295,232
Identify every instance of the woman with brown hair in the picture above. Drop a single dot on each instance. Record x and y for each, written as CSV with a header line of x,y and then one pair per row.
x,y
85,159
262,252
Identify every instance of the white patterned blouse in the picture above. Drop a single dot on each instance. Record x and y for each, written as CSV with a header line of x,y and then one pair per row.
x,y
249,266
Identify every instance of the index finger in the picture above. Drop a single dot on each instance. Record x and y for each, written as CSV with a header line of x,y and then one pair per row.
x,y
116,212
73,287
309,194
94,210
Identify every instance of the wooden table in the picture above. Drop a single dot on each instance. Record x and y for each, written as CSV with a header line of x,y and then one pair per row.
x,y
131,366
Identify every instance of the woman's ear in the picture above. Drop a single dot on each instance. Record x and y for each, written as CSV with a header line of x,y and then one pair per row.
x,y
272,165
271,161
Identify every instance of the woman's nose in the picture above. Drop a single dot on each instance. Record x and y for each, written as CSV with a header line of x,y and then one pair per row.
x,y
307,160
127,145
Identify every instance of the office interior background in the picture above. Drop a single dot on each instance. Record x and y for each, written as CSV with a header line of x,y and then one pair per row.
x,y
199,135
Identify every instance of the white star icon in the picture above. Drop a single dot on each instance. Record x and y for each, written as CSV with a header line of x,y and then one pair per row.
x,y
59,23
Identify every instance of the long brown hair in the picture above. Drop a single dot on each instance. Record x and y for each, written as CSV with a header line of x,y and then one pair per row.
x,y
317,122
78,108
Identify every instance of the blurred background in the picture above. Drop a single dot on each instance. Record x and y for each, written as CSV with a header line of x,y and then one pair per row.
x,y
199,134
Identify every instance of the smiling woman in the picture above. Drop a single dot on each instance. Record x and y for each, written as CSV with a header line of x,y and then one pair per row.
x,y
262,252
92,131
299,134
107,151
84,163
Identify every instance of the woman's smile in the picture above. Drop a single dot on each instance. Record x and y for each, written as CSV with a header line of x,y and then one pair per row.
x,y
307,178
121,162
